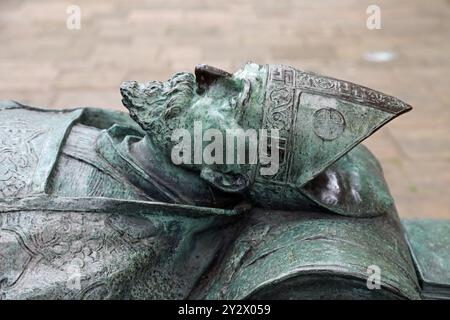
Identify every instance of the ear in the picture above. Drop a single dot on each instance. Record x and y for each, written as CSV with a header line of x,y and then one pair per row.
x,y
227,182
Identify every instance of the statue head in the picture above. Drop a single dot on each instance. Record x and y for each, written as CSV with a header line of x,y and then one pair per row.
x,y
213,99
303,121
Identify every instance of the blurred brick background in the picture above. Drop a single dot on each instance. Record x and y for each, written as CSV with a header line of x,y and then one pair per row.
x,y
44,63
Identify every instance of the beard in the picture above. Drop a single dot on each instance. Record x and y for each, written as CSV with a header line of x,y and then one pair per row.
x,y
164,108
180,95
154,102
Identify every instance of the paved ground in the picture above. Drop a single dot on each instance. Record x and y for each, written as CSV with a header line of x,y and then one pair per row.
x,y
44,63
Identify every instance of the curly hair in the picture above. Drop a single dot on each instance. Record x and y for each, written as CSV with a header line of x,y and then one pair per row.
x,y
153,103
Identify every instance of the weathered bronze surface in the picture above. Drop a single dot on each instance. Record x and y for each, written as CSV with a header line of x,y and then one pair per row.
x,y
91,205
320,120
429,241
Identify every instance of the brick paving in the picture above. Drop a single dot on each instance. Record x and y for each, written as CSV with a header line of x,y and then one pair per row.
x,y
44,63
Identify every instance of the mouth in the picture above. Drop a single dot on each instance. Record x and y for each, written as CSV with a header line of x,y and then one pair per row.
x,y
205,75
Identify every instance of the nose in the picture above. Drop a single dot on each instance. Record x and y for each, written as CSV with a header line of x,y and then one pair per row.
x,y
205,75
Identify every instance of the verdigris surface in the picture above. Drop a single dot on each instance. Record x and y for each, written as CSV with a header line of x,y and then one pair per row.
x,y
429,241
93,207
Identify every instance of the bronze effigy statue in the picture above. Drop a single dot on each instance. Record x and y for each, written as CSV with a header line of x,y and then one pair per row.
x,y
94,206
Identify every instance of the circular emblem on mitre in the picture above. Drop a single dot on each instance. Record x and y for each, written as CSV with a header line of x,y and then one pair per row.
x,y
328,123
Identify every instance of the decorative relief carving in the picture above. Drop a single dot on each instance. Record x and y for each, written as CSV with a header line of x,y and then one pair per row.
x,y
328,123
308,81
91,249
15,258
280,109
18,157
282,74
348,91
279,113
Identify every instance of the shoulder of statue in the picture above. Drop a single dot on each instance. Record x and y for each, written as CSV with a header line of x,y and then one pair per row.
x,y
6,105
32,139
90,116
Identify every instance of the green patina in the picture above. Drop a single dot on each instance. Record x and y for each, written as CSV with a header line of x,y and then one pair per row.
x,y
91,205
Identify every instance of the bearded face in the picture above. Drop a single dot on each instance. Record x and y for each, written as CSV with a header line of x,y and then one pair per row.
x,y
159,106
214,98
